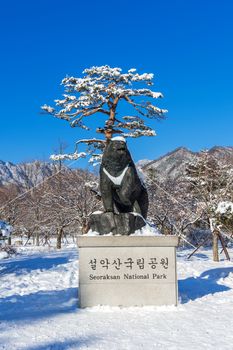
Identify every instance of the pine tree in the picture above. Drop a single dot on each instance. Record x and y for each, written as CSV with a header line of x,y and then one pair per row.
x,y
102,90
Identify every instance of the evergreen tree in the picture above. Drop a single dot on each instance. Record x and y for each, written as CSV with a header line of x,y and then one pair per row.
x,y
101,91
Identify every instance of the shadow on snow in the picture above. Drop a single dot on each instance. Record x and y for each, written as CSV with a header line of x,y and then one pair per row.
x,y
38,305
29,263
66,344
42,303
193,288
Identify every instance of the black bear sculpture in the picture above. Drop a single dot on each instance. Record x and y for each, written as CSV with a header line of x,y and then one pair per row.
x,y
121,188
122,192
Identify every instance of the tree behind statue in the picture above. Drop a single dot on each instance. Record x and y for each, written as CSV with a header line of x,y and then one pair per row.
x,y
101,91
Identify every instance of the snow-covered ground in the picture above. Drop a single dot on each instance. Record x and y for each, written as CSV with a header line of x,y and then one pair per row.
x,y
38,307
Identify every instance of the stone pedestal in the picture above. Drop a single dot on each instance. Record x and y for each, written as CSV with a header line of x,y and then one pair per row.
x,y
118,224
127,270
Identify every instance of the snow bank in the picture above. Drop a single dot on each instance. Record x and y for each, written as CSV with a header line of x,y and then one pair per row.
x,y
225,207
3,255
147,230
5,229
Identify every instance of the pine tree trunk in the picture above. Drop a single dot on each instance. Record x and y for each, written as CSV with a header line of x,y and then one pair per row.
x,y
215,246
9,241
59,237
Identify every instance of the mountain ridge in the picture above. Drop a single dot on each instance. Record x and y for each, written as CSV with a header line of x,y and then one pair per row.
x,y
25,174
171,165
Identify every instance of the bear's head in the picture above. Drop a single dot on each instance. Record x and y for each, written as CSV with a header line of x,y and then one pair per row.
x,y
116,155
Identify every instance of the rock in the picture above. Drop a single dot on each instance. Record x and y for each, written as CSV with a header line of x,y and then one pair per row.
x,y
118,224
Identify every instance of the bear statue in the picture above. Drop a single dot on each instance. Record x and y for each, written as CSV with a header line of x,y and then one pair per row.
x,y
124,196
121,188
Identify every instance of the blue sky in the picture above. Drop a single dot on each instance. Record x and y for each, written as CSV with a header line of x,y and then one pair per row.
x,y
188,45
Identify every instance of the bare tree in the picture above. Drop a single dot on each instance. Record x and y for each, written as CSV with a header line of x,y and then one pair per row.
x,y
10,205
170,209
34,215
210,183
69,202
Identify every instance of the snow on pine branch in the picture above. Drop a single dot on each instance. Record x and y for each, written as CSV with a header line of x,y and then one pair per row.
x,y
106,73
99,91
48,109
65,156
91,146
134,124
138,133
95,159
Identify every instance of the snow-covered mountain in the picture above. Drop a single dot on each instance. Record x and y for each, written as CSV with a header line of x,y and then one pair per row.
x,y
25,174
172,165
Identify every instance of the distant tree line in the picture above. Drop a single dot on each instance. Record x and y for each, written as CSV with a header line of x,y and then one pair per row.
x,y
58,207
196,206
